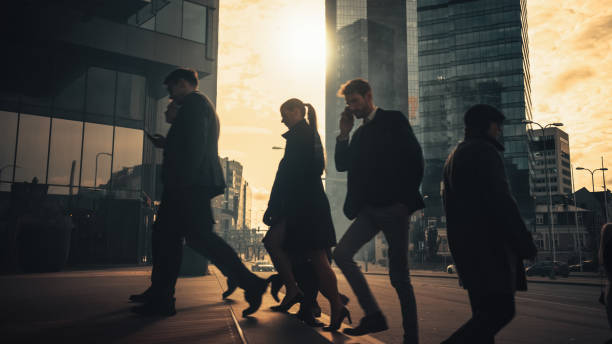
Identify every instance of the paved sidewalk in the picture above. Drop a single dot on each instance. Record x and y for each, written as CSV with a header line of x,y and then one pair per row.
x,y
91,307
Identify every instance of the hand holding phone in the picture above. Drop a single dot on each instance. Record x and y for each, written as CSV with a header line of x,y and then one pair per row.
x,y
347,120
158,140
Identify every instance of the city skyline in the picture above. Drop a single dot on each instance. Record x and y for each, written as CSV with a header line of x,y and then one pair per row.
x,y
256,76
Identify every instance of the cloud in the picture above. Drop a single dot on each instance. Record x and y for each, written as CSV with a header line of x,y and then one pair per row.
x,y
570,78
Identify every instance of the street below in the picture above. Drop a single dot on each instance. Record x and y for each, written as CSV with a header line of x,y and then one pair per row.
x,y
546,313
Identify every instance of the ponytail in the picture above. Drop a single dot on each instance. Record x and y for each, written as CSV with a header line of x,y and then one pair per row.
x,y
312,116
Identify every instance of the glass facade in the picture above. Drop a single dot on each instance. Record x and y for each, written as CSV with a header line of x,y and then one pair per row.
x,y
177,18
472,52
375,40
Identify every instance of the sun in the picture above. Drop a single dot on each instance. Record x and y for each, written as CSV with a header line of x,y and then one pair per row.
x,y
301,42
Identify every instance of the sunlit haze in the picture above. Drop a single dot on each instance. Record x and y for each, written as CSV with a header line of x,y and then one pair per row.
x,y
272,50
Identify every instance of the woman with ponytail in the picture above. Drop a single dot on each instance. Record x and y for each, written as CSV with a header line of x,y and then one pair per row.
x,y
298,211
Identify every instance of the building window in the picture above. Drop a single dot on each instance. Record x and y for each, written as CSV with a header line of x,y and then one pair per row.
x,y
32,148
8,135
127,159
97,147
130,96
169,18
101,92
194,22
539,219
65,148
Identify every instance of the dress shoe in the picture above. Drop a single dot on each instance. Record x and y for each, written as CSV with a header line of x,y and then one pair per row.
x,y
345,300
231,287
142,298
336,322
285,307
372,323
316,310
253,296
275,284
308,319
156,308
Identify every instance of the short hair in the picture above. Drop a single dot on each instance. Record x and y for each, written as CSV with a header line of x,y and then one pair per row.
x,y
187,74
359,85
480,116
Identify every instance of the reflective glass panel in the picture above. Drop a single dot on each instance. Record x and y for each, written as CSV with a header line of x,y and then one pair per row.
x,y
97,142
130,96
169,18
194,22
32,148
8,134
101,91
65,148
127,162
72,95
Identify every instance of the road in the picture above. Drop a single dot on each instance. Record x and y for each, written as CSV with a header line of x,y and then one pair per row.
x,y
547,313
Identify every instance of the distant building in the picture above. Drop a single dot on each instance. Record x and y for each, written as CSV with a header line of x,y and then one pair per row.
x,y
232,210
551,151
569,237
597,218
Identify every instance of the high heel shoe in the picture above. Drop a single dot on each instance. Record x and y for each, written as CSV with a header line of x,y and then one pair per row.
x,y
335,325
284,308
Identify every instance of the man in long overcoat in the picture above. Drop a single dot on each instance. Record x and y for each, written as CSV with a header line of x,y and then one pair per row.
x,y
191,175
487,236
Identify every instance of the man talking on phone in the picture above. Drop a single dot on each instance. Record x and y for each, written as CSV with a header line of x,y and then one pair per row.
x,y
384,162
191,175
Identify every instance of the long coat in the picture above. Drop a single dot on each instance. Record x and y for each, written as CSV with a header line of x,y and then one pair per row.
x,y
487,236
191,152
298,195
384,162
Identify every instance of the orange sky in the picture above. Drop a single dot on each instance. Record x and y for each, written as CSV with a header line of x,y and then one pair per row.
x,y
272,50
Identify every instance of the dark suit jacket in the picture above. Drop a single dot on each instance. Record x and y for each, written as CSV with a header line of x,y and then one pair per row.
x,y
191,156
384,163
487,236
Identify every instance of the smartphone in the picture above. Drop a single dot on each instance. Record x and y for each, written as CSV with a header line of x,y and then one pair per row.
x,y
149,135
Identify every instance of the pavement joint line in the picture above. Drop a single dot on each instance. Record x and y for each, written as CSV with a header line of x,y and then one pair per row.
x,y
587,284
231,310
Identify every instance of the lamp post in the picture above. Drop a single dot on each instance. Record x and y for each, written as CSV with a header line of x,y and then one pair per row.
x,y
603,171
96,172
548,186
578,239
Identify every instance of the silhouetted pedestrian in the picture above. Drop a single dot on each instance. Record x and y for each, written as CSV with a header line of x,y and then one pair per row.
x,y
192,175
487,236
298,211
385,168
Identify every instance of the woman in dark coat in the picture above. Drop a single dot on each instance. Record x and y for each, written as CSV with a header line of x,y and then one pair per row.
x,y
298,211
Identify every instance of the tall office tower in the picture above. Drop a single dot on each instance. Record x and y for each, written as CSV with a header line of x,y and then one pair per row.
x,y
375,40
473,52
554,147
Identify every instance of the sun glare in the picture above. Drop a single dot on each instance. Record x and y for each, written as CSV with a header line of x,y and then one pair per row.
x,y
302,41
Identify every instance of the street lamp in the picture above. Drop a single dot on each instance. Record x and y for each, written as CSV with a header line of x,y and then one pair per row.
x,y
96,172
277,147
603,171
548,186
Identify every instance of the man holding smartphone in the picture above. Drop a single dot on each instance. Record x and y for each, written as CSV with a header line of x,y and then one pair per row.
x,y
191,175
384,162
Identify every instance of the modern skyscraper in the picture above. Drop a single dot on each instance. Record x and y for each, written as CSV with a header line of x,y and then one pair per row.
x,y
473,52
375,40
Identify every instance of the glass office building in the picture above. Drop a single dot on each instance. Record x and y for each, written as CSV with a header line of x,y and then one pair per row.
x,y
375,40
84,84
473,52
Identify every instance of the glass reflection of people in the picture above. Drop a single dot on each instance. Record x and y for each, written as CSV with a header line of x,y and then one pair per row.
x,y
605,259
298,211
191,175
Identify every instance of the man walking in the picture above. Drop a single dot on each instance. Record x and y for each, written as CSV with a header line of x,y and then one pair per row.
x,y
192,175
487,236
384,162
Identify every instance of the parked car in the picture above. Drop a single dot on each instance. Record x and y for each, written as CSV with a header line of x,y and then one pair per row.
x,y
451,269
587,266
546,268
263,267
